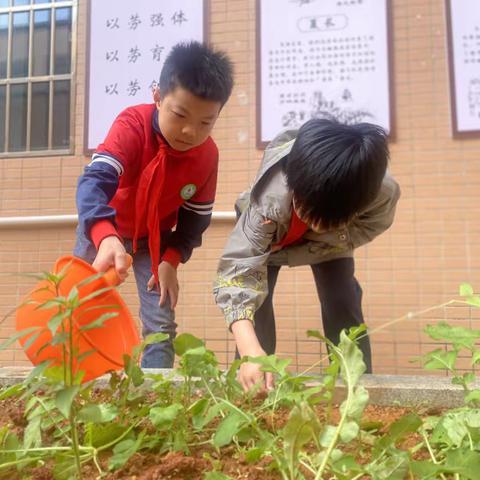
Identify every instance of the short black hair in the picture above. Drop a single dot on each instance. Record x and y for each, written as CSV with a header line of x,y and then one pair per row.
x,y
336,170
202,71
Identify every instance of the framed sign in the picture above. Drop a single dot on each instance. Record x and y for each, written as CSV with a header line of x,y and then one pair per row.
x,y
322,58
463,31
128,42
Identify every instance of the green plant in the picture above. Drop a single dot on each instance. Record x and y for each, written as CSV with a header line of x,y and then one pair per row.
x,y
296,427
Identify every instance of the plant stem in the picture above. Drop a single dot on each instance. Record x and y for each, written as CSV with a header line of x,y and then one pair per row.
x,y
72,416
430,451
212,395
339,427
308,467
75,443
125,433
52,418
407,316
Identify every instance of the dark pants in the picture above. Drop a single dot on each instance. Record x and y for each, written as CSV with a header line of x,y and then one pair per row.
x,y
340,297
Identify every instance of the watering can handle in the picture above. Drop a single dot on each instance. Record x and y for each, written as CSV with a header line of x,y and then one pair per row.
x,y
111,276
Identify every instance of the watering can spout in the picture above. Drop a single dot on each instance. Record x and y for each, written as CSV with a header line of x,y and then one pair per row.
x,y
97,350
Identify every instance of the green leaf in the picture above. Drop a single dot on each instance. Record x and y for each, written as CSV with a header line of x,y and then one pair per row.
x,y
473,396
349,431
54,303
84,355
353,366
440,360
98,413
253,455
8,442
327,435
464,462
301,427
17,336
271,363
98,323
426,469
11,391
97,435
56,321
133,371
475,357
474,301
185,342
163,417
64,399
64,467
356,403
32,436
466,290
228,427
347,466
38,371
31,340
198,410
123,451
459,336
461,462
405,425
409,423
155,338
212,412
94,294
392,468
318,335
60,338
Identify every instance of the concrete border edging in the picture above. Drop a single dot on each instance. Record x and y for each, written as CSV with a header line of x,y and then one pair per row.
x,y
398,390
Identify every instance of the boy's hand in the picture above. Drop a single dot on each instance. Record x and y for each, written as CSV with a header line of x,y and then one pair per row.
x,y
168,284
112,253
247,342
250,376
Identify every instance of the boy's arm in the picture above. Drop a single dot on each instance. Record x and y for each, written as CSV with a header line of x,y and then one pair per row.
x,y
378,217
193,219
98,184
95,189
241,284
241,287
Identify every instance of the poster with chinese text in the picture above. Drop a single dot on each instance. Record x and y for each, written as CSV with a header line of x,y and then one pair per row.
x,y
128,43
463,20
322,58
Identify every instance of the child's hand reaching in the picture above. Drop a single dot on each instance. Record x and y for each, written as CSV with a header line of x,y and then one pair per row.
x,y
168,284
250,376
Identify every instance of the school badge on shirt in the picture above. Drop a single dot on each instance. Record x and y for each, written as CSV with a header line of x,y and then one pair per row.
x,y
188,191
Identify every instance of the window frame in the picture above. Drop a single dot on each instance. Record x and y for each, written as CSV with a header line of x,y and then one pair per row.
x,y
52,5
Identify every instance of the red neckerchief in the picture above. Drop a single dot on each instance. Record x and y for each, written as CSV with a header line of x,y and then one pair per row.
x,y
295,232
149,194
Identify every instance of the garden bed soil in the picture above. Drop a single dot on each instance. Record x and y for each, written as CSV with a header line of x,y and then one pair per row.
x,y
180,466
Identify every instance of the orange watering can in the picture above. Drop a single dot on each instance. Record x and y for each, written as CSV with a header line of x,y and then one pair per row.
x,y
108,343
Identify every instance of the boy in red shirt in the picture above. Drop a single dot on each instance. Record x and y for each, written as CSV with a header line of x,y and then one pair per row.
x,y
156,170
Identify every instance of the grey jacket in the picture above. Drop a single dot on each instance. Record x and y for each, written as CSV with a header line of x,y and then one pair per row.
x,y
265,213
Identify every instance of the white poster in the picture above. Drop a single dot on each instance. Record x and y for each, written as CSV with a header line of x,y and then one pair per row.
x,y
465,64
322,58
129,41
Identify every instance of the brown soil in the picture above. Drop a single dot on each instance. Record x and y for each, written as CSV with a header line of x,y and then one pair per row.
x,y
178,466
